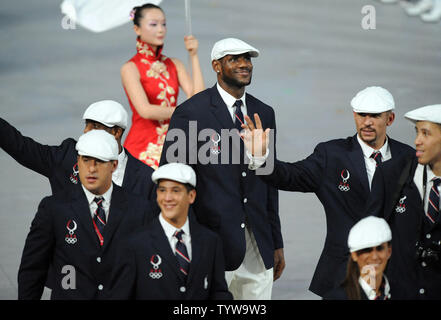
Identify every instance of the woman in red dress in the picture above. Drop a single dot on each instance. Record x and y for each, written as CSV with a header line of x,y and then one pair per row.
x,y
151,82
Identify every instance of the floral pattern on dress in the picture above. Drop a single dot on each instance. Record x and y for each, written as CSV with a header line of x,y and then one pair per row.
x,y
158,76
153,152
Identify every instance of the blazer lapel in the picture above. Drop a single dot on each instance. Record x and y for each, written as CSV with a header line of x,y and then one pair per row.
x,y
220,110
81,208
161,244
118,208
131,172
357,159
196,245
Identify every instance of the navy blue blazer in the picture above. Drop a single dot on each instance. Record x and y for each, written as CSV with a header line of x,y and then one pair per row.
x,y
50,246
403,209
229,195
323,173
135,276
57,162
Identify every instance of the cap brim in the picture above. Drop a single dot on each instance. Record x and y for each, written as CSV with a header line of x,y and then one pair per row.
x,y
252,53
370,111
86,154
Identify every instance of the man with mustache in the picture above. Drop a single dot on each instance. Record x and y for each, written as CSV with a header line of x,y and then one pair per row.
x,y
340,173
406,193
232,200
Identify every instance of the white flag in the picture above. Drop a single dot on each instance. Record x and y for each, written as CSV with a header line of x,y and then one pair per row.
x,y
101,15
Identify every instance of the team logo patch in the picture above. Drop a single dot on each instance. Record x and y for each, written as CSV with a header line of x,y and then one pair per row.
x,y
215,138
74,175
401,206
155,271
71,237
344,185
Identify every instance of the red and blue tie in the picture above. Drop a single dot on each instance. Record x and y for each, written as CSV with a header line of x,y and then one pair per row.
x,y
182,254
376,155
433,207
238,115
99,219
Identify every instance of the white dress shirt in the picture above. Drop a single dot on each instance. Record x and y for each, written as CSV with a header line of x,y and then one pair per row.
x,y
118,174
369,162
107,196
418,180
170,231
229,101
371,293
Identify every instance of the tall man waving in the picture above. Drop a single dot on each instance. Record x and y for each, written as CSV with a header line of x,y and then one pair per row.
x,y
232,200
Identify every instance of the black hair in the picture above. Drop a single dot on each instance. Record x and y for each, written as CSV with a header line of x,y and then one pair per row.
x,y
187,186
107,129
139,9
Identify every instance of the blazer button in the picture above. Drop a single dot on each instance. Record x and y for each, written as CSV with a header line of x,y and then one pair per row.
x,y
242,225
182,289
100,287
98,259
244,174
423,264
422,291
428,236
245,200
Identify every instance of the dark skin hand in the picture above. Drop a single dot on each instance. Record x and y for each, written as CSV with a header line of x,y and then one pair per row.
x,y
279,263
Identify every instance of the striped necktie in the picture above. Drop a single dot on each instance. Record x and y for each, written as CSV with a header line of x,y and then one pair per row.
x,y
99,219
376,155
238,115
433,207
181,253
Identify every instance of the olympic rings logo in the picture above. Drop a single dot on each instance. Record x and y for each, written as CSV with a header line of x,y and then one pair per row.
x,y
70,240
155,274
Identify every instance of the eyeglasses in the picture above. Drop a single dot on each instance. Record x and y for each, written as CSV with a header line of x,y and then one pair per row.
x,y
369,250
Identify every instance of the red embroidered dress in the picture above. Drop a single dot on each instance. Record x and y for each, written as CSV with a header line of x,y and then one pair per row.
x,y
159,78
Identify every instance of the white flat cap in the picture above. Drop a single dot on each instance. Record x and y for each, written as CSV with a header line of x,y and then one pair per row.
x,y
232,46
430,113
373,100
368,232
98,144
175,171
108,112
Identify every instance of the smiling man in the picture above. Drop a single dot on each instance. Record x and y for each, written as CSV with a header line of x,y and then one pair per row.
x,y
407,195
74,235
232,200
340,173
185,259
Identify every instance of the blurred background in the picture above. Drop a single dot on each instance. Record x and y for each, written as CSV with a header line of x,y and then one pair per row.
x,y
315,56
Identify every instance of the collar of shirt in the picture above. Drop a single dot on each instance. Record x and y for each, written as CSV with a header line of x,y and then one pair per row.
x,y
107,196
118,174
418,180
229,101
367,150
370,163
170,231
371,293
